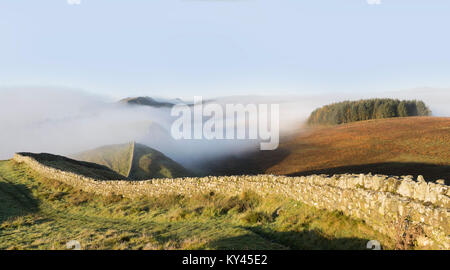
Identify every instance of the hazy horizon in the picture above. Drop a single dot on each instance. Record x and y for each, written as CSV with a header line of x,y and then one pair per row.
x,y
67,121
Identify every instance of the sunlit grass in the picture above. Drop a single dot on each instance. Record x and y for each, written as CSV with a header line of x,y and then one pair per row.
x,y
51,213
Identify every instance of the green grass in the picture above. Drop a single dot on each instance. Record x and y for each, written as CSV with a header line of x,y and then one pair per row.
x,y
116,157
40,213
149,163
135,161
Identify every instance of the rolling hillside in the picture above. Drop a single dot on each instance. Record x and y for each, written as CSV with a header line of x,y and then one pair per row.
x,y
398,146
135,161
41,213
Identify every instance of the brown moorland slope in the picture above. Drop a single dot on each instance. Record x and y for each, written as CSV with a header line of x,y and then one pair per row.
x,y
397,146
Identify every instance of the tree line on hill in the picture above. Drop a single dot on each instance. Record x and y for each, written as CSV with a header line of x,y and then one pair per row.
x,y
352,111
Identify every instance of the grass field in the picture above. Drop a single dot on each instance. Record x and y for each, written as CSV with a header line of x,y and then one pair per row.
x,y
40,213
397,146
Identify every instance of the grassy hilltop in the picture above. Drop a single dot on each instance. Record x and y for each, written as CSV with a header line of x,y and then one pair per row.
x,y
135,161
41,213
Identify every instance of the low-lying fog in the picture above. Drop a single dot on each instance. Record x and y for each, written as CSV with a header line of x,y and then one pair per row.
x,y
67,121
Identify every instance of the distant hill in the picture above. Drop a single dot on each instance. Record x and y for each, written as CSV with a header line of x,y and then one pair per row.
x,y
135,161
352,111
151,102
397,146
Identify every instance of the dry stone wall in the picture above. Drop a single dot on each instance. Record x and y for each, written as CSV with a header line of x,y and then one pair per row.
x,y
377,199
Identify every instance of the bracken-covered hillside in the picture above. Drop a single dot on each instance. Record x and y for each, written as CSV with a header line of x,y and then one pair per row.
x,y
396,146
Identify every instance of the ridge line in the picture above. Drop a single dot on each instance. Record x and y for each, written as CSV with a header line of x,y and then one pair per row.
x,y
131,159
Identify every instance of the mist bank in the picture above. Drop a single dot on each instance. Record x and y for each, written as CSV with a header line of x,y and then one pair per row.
x,y
67,121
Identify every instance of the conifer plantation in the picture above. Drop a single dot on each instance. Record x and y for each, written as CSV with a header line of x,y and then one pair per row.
x,y
352,111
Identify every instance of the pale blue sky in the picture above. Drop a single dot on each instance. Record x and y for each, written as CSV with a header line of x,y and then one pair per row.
x,y
214,48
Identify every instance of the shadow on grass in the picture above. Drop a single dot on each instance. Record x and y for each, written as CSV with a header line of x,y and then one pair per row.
x,y
83,168
259,162
251,163
431,172
303,240
15,201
